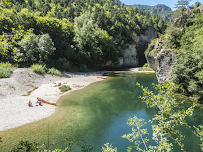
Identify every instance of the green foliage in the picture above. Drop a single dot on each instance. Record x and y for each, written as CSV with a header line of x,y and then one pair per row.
x,y
5,69
38,68
29,45
170,116
63,64
65,88
9,50
5,23
182,4
187,72
36,48
45,47
138,133
92,41
109,148
111,29
146,65
145,69
54,72
26,146
199,133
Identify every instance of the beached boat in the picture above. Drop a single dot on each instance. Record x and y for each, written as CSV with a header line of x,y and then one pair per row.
x,y
45,101
102,77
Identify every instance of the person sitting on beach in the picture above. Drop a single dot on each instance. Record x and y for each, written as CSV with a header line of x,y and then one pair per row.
x,y
40,103
30,104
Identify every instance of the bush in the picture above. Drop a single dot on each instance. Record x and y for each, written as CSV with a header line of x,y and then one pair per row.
x,y
65,88
38,68
54,72
146,65
5,69
145,69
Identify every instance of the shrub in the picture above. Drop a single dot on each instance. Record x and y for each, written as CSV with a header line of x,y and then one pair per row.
x,y
5,69
65,88
146,65
145,69
54,72
38,68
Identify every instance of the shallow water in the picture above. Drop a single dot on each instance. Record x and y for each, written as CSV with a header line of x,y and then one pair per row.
x,y
98,114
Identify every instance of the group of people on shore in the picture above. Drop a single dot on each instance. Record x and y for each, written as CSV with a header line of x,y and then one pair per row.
x,y
39,102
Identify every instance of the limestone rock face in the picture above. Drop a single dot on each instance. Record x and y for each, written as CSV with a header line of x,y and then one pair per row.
x,y
131,55
160,59
201,8
162,64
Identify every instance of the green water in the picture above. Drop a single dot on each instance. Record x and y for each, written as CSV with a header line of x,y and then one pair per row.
x,y
98,114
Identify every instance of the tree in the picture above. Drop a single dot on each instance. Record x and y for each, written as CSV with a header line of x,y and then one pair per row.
x,y
45,47
182,4
9,50
180,13
85,32
29,45
168,118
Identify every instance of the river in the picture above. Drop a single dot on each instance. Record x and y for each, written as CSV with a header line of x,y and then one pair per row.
x,y
96,114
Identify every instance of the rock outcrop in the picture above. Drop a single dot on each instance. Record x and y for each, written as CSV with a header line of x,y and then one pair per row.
x,y
161,59
133,55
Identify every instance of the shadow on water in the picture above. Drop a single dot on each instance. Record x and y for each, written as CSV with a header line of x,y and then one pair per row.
x,y
97,113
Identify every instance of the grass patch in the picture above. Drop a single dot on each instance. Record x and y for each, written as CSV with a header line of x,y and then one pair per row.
x,y
145,69
12,87
38,68
5,69
54,72
65,88
41,69
29,92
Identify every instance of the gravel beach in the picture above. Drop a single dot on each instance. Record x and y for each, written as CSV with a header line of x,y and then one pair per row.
x,y
24,85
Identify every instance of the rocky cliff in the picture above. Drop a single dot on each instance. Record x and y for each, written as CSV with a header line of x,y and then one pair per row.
x,y
160,53
133,55
160,58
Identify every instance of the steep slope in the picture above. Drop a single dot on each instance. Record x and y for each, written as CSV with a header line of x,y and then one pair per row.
x,y
85,34
177,55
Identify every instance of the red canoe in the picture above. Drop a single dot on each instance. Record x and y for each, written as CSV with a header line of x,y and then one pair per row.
x,y
45,101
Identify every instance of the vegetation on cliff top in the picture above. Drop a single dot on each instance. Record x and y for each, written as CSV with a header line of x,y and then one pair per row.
x,y
184,38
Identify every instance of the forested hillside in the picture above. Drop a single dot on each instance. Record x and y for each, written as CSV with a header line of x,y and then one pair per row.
x,y
69,34
160,9
184,39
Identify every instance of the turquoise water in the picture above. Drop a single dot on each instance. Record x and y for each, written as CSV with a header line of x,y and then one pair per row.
x,y
98,114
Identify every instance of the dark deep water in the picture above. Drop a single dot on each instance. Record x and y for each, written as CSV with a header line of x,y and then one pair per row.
x,y
98,114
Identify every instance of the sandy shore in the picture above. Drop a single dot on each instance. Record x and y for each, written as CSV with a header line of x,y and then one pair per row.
x,y
136,70
14,110
14,93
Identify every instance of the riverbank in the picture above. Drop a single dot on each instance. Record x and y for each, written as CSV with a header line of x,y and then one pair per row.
x,y
136,70
24,85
